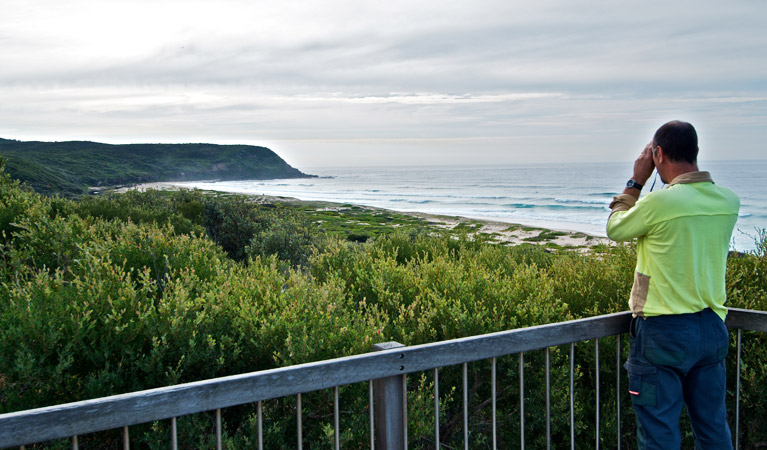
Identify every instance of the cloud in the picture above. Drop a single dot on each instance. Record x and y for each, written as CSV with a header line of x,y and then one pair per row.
x,y
397,47
555,74
432,98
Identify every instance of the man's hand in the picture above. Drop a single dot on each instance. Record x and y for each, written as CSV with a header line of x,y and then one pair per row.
x,y
644,165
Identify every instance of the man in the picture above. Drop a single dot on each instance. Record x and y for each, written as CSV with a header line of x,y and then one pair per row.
x,y
679,340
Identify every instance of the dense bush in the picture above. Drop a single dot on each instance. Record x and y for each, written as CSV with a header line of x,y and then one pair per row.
x,y
135,291
289,236
182,209
242,228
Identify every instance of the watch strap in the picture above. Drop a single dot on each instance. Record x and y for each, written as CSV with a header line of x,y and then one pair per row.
x,y
633,184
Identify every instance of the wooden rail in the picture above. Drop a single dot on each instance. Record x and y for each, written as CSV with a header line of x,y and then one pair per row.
x,y
118,411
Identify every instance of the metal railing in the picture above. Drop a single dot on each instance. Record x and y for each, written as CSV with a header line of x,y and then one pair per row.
x,y
385,371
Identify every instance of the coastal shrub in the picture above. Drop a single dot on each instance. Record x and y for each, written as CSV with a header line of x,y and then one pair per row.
x,y
289,236
183,209
55,347
747,276
431,292
244,229
162,252
103,297
17,202
232,222
51,243
593,284
747,288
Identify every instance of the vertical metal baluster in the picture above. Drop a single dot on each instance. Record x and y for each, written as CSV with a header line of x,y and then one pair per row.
x,y
465,406
495,420
173,434
596,345
404,409
737,398
75,446
522,399
372,415
436,409
126,439
299,423
548,398
219,443
618,390
260,425
335,419
572,399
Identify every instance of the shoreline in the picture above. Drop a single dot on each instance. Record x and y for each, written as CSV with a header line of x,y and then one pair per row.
x,y
510,233
507,233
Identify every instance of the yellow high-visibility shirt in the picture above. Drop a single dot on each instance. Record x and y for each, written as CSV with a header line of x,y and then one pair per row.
x,y
683,236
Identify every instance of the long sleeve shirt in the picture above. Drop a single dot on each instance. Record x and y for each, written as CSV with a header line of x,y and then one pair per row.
x,y
683,234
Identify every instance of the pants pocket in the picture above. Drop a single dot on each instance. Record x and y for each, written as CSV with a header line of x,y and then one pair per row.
x,y
664,344
642,379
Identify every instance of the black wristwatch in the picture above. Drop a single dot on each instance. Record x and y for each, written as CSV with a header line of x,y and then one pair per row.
x,y
633,184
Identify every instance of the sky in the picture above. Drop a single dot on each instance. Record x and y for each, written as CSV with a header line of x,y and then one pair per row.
x,y
336,82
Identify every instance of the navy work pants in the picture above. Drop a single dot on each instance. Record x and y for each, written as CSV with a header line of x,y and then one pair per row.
x,y
676,360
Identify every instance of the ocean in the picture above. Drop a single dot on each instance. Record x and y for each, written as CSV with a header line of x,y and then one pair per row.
x,y
570,197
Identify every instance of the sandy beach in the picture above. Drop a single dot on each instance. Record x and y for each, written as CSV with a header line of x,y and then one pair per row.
x,y
503,232
513,234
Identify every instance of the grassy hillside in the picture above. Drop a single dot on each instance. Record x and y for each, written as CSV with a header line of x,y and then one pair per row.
x,y
69,168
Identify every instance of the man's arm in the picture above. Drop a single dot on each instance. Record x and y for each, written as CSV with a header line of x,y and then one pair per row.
x,y
622,226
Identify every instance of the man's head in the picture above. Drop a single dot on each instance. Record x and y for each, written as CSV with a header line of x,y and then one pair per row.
x,y
678,141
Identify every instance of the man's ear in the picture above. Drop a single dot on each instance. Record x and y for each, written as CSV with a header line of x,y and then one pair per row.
x,y
657,152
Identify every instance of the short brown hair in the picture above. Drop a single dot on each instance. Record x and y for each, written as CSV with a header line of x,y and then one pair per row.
x,y
678,140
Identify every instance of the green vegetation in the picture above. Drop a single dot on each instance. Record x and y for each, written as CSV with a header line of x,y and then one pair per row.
x,y
545,235
70,168
125,292
470,226
358,224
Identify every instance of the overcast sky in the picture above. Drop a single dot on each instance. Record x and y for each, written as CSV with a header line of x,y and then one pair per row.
x,y
331,82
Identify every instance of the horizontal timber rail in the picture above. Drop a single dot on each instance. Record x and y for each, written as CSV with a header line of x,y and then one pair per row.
x,y
119,411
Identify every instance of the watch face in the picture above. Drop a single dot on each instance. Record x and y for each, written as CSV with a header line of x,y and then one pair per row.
x,y
633,184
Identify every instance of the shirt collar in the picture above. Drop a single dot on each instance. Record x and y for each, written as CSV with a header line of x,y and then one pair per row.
x,y
692,177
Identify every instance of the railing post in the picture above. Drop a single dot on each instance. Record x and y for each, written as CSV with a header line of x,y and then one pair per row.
x,y
389,408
